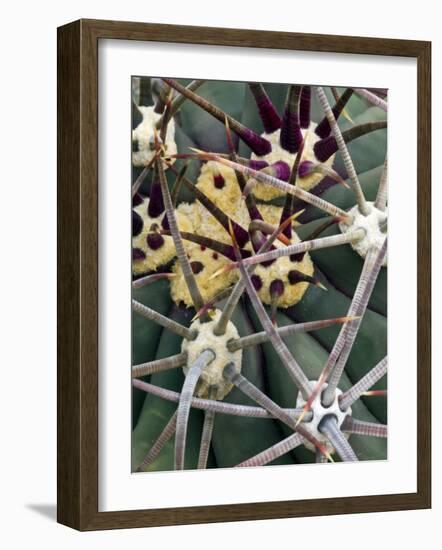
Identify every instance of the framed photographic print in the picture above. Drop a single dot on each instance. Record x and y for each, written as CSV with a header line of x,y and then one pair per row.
x,y
225,202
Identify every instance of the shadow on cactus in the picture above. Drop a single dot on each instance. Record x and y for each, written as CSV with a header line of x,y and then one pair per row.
x,y
259,293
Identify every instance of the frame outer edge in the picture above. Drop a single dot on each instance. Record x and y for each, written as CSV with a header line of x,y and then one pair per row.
x,y
68,273
424,274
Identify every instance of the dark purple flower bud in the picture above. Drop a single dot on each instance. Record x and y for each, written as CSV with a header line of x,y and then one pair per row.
x,y
218,181
165,222
297,257
196,267
325,148
137,224
241,234
323,129
138,254
276,288
296,277
259,145
269,116
257,164
257,282
154,241
280,170
304,107
137,199
291,136
293,277
156,204
305,168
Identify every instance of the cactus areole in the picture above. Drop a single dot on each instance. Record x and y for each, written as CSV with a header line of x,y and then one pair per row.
x,y
374,225
212,375
321,412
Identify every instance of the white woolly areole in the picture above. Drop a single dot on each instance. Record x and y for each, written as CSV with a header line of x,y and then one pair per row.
x,y
212,374
144,136
265,192
319,412
374,237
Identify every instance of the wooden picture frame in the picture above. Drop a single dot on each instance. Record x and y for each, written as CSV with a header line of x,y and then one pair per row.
x,y
78,273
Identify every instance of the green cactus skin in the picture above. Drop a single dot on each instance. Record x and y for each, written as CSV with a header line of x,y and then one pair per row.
x,y
145,334
234,438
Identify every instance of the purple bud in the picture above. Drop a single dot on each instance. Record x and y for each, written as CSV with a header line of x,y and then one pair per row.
x,y
196,267
219,181
305,168
304,107
323,129
291,135
281,170
294,277
165,222
241,234
137,199
269,116
297,257
257,164
137,224
138,254
259,145
257,282
325,148
154,241
156,204
276,288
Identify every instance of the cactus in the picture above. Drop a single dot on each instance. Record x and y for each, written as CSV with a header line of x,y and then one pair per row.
x,y
259,246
